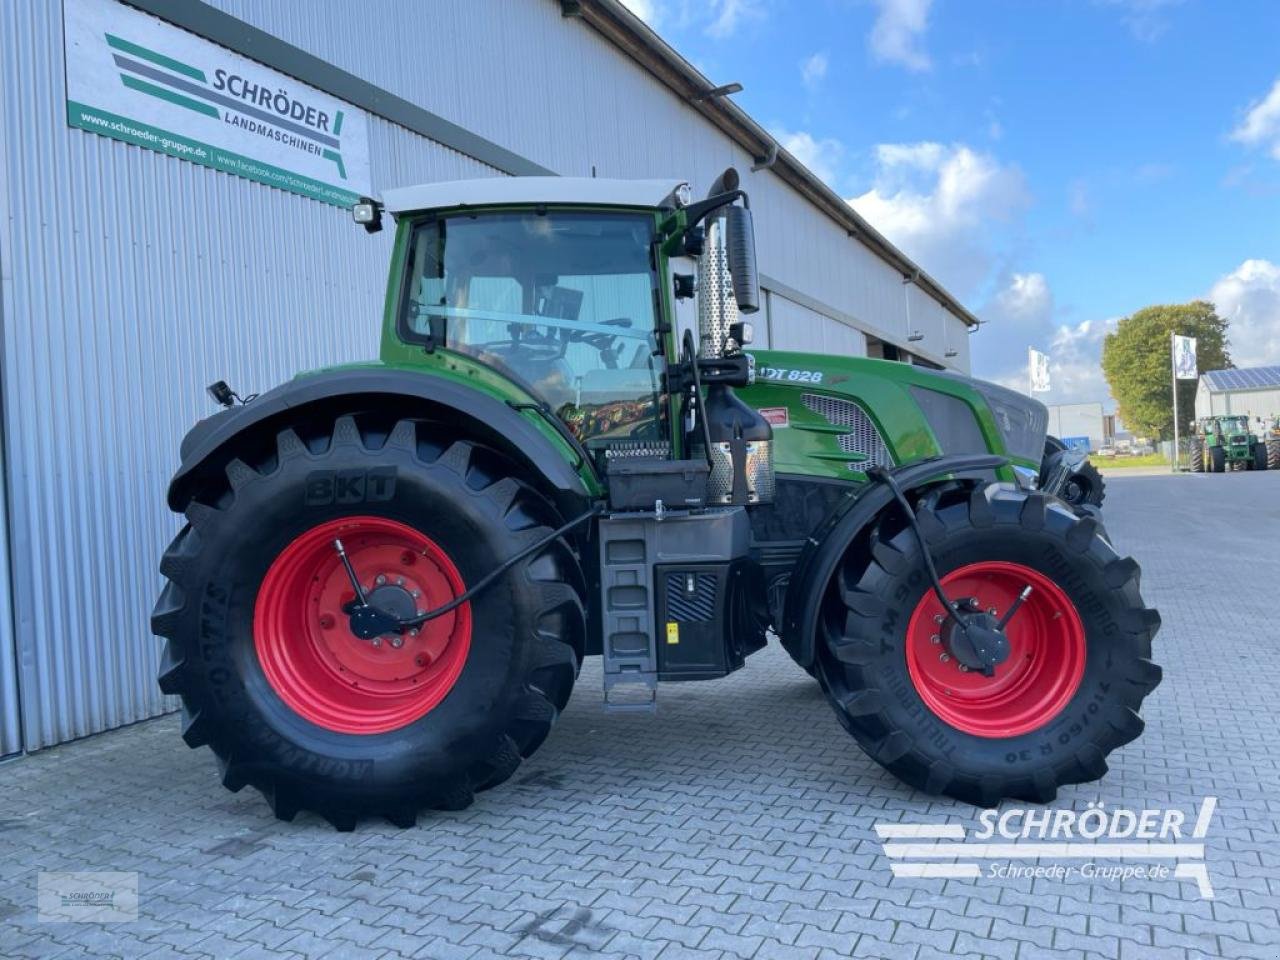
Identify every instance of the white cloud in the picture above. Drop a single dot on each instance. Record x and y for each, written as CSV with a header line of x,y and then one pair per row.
x,y
650,11
1075,364
1026,299
1261,124
822,156
731,14
813,70
940,203
1080,199
898,31
1145,19
1249,297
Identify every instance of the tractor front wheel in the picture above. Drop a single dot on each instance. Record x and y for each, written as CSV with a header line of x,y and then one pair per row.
x,y
1085,486
1197,456
1078,662
1217,460
260,641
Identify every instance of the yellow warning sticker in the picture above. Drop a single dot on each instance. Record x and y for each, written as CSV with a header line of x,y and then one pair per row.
x,y
673,632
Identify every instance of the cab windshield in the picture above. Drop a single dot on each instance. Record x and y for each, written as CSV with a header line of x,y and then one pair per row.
x,y
563,303
1236,425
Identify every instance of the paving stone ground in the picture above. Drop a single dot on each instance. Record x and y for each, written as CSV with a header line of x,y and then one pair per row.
x,y
736,823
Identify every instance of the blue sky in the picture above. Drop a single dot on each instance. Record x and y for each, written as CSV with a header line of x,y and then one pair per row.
x,y
1057,164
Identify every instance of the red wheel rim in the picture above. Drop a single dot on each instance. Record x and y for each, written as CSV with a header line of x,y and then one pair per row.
x,y
323,671
1046,653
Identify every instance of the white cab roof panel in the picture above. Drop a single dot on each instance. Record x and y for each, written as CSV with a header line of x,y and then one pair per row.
x,y
521,190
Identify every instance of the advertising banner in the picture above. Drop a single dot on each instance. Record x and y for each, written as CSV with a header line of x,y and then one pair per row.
x,y
136,78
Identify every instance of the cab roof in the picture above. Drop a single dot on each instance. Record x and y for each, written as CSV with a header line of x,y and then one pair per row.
x,y
494,191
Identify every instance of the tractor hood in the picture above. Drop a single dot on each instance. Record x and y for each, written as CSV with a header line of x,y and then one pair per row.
x,y
836,416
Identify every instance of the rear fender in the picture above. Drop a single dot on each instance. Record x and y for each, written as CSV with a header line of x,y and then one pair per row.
x,y
828,543
210,445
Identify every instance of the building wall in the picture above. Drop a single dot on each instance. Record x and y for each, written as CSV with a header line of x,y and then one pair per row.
x,y
129,280
1254,403
1078,420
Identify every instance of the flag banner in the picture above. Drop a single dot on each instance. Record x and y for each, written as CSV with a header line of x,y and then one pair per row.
x,y
1184,358
1039,363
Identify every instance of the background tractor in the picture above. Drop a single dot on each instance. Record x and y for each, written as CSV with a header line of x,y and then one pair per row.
x,y
1271,441
1225,443
391,571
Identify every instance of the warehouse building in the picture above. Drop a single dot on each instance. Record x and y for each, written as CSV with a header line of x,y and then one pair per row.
x,y
1075,423
174,177
1253,391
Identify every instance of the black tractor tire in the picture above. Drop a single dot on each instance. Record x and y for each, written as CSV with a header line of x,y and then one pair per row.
x,y
1259,461
525,636
1273,453
1085,486
1196,457
1217,460
866,624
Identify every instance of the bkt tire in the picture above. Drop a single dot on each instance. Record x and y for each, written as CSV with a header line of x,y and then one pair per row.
x,y
272,678
1197,456
1080,648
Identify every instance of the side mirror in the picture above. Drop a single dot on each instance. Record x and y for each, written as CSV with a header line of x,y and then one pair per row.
x,y
740,249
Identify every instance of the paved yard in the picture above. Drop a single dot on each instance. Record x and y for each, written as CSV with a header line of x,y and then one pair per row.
x,y
738,822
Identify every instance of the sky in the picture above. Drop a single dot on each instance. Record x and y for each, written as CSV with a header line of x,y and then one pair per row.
x,y
1055,164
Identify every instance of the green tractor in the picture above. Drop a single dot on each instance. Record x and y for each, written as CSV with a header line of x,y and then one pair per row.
x,y
1225,443
390,572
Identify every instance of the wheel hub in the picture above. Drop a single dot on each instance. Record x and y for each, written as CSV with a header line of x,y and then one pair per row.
x,y
997,683
350,668
977,643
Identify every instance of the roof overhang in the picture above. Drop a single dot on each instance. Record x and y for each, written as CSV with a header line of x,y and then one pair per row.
x,y
506,191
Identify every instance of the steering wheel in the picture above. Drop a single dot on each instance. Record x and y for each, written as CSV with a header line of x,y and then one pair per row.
x,y
604,341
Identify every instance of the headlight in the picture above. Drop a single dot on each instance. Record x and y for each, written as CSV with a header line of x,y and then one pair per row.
x,y
1022,421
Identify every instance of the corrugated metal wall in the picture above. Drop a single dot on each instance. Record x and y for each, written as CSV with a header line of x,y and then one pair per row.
x,y
131,280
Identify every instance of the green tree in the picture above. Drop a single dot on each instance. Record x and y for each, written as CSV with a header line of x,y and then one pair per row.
x,y
1137,362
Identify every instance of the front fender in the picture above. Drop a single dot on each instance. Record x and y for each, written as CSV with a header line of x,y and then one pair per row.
x,y
827,544
208,446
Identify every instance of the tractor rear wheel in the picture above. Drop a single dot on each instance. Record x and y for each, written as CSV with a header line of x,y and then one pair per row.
x,y
1197,455
1273,453
1079,661
291,701
1259,459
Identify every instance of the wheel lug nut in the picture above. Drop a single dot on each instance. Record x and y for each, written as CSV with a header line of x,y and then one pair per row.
x,y
963,668
397,642
944,658
991,610
380,580
377,641
935,639
326,621
416,593
413,632
399,581
939,618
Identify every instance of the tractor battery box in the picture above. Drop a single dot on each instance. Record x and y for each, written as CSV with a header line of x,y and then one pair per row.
x,y
637,483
